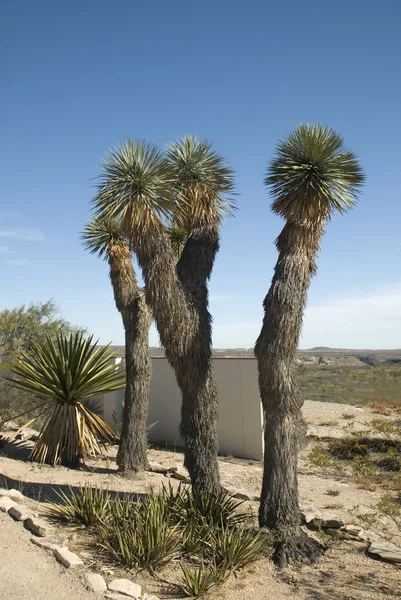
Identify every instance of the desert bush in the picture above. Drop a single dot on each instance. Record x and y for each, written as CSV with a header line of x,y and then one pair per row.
x,y
390,462
319,458
347,449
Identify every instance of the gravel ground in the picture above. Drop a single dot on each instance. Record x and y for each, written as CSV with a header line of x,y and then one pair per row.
x,y
29,573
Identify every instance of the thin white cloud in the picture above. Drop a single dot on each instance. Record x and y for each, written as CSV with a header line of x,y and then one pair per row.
x,y
18,263
371,320
24,234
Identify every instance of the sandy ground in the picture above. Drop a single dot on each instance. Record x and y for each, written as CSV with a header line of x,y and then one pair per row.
x,y
29,573
345,573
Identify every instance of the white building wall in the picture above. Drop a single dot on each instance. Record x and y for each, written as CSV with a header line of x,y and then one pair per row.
x,y
240,415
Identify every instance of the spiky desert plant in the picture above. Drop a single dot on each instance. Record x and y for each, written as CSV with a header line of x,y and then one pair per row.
x,y
311,177
103,236
146,189
63,373
89,506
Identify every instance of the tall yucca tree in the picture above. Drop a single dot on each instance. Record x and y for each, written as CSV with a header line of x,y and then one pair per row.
x,y
311,177
103,237
145,189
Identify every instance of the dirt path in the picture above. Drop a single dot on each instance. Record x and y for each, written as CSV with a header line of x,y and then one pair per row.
x,y
28,572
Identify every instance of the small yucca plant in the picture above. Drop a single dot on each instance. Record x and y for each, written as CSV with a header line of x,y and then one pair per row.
x,y
235,548
63,374
140,534
217,509
87,505
198,579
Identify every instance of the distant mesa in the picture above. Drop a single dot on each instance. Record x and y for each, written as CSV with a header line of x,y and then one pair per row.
x,y
320,349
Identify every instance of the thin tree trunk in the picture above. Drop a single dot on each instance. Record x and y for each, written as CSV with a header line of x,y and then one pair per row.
x,y
282,402
178,297
195,372
136,315
132,453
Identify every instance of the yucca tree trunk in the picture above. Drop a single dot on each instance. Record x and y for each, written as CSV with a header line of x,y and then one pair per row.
x,y
178,298
282,402
131,302
132,453
194,370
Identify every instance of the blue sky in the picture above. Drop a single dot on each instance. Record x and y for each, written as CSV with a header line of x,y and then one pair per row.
x,y
79,77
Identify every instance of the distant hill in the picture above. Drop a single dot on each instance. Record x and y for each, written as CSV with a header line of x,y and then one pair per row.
x,y
320,355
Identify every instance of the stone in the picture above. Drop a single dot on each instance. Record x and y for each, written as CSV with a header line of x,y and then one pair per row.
x,y
50,542
30,434
182,475
330,521
13,494
37,526
149,597
125,586
95,582
20,513
240,494
158,468
386,551
308,513
67,558
353,530
6,503
113,596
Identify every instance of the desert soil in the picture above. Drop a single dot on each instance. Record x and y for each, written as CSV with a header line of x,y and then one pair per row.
x,y
345,573
29,573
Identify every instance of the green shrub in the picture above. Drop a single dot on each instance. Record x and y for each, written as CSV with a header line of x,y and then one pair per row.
x,y
198,579
87,505
144,538
347,449
235,548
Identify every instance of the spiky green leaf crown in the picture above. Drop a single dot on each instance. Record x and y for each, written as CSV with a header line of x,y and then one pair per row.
x,y
136,186
202,180
102,232
313,175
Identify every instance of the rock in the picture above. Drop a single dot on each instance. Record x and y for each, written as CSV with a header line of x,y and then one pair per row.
x,y
181,474
309,513
331,521
241,494
13,494
37,526
66,558
20,512
352,530
6,503
95,582
386,551
29,434
149,597
50,542
125,586
113,596
158,468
